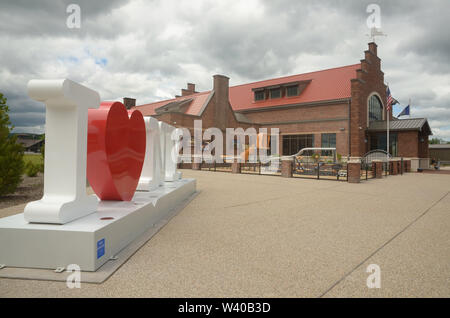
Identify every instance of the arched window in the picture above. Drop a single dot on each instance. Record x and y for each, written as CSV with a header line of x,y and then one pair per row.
x,y
375,108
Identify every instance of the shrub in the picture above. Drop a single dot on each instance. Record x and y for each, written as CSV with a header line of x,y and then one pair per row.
x,y
11,153
32,169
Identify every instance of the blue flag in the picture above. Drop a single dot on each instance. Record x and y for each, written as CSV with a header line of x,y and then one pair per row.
x,y
405,111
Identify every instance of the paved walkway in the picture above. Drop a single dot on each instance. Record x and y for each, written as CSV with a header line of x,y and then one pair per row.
x,y
252,236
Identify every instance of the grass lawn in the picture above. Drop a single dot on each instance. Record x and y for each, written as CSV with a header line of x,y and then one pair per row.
x,y
35,159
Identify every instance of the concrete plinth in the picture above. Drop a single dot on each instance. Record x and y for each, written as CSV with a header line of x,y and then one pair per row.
x,y
414,164
92,240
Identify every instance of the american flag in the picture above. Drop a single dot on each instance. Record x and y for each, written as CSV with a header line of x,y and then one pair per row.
x,y
389,99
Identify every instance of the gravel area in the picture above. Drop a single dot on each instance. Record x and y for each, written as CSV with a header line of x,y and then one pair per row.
x,y
30,189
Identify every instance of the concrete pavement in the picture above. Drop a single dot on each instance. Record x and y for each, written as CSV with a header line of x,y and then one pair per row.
x,y
266,236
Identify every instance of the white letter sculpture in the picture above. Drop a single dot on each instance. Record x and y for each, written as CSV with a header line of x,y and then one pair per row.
x,y
65,196
167,149
158,164
152,170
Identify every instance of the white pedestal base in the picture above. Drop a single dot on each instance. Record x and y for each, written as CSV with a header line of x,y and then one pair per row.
x,y
89,241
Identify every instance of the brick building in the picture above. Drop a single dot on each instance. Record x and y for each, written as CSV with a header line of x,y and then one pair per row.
x,y
342,107
440,152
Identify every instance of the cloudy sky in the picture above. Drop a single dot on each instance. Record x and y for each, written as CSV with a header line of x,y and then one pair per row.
x,y
150,49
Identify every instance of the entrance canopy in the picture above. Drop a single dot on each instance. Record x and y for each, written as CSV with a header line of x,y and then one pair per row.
x,y
419,124
407,137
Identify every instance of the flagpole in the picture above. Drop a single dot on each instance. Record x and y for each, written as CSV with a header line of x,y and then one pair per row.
x,y
387,142
387,125
409,108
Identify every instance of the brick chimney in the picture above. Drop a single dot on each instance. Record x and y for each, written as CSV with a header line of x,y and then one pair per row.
x,y
221,99
189,90
373,48
129,102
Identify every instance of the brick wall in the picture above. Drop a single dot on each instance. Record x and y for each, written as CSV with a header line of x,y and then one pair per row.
x,y
369,80
318,119
423,146
408,144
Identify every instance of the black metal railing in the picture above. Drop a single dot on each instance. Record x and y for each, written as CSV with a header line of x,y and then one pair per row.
x,y
320,170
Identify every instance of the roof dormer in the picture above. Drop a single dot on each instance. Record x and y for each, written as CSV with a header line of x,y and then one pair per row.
x,y
282,90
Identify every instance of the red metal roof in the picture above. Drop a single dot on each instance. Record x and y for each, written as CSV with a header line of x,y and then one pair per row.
x,y
198,99
325,85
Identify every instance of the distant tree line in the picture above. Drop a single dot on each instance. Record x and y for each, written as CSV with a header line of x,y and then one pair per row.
x,y
437,141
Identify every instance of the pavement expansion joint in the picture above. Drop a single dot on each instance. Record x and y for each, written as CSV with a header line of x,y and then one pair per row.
x,y
384,245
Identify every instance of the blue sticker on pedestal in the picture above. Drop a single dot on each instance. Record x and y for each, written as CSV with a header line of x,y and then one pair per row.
x,y
100,248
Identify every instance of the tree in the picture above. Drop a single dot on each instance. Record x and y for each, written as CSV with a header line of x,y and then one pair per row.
x,y
435,141
11,153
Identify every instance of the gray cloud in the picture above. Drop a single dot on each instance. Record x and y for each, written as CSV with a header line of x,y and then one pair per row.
x,y
48,17
149,50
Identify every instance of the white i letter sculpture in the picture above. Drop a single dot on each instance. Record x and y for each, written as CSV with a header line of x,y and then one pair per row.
x,y
65,196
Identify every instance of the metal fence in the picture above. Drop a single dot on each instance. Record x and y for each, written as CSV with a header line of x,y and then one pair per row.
x,y
320,170
300,169
309,167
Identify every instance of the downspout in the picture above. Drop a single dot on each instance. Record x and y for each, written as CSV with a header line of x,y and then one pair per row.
x,y
349,128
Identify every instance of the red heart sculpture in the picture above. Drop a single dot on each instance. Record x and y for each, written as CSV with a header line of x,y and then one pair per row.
x,y
115,151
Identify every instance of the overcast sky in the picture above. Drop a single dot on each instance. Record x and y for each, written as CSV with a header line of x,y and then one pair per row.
x,y
149,50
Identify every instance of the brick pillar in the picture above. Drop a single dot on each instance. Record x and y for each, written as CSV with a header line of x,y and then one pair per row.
x,y
354,171
286,168
236,167
377,166
393,167
408,165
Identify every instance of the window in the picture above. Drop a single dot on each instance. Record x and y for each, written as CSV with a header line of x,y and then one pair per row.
x,y
328,140
292,91
375,108
294,143
378,141
275,93
259,95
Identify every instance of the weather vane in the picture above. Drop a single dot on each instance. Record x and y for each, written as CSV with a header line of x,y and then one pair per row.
x,y
374,32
